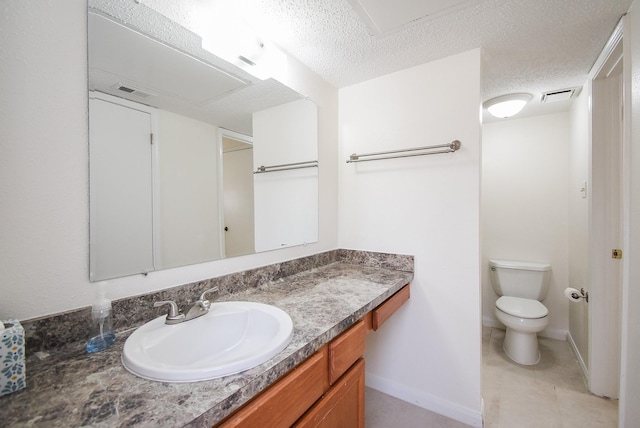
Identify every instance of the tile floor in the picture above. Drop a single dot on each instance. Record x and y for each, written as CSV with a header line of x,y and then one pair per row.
x,y
549,394
384,411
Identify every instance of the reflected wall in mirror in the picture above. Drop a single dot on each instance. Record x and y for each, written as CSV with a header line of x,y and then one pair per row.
x,y
175,136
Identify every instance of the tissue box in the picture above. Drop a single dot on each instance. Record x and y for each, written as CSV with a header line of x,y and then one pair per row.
x,y
12,364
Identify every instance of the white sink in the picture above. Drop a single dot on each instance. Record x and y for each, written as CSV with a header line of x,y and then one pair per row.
x,y
230,338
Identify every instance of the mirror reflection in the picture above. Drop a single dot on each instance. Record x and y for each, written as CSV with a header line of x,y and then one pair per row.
x,y
176,138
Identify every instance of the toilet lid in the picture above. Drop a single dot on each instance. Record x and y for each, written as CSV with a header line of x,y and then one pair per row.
x,y
522,308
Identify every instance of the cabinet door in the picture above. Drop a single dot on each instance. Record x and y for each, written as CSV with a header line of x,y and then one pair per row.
x,y
342,406
288,399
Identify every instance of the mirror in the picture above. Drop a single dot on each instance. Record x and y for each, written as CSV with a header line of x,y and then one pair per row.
x,y
182,150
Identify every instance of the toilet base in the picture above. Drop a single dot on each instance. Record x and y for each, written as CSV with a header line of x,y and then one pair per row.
x,y
521,347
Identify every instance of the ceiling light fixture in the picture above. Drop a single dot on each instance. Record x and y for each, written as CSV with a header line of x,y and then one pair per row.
x,y
238,45
507,105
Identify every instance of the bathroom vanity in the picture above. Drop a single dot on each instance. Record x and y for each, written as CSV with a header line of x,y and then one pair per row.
x,y
334,299
327,389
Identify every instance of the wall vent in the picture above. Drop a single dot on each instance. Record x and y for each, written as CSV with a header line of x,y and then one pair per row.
x,y
131,91
559,95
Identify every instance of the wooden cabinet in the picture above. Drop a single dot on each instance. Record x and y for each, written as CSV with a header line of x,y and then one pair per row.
x,y
345,350
383,312
342,406
324,391
288,399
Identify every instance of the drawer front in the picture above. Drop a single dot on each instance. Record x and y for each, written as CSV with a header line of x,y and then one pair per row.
x,y
288,399
389,307
346,349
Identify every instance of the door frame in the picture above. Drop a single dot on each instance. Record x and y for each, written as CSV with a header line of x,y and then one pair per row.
x,y
223,132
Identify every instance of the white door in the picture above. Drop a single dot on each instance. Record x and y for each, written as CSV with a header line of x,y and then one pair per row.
x,y
121,231
237,161
605,310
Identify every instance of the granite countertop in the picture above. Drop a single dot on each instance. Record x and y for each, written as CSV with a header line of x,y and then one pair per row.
x,y
68,387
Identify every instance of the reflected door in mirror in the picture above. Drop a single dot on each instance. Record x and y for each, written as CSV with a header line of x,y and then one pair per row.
x,y
120,191
237,164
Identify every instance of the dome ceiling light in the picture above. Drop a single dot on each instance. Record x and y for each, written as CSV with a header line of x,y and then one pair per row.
x,y
507,105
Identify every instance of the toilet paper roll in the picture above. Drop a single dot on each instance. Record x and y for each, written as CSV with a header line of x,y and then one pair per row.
x,y
573,294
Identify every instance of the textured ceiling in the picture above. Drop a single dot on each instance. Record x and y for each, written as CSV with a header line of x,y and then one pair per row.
x,y
523,40
528,45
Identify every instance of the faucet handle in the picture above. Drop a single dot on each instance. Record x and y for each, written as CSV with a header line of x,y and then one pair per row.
x,y
174,312
211,290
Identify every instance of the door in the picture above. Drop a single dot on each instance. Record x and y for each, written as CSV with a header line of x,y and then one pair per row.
x,y
606,235
237,178
121,202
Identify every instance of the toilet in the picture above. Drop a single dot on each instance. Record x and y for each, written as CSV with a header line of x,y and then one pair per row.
x,y
521,286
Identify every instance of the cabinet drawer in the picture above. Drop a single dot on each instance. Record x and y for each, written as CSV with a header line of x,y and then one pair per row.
x,y
288,399
346,349
389,307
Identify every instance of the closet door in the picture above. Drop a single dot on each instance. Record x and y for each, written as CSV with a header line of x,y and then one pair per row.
x,y
121,218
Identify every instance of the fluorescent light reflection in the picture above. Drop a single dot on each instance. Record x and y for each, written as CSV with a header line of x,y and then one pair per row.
x,y
226,34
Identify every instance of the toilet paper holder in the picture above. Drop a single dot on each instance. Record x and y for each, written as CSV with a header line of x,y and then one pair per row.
x,y
583,294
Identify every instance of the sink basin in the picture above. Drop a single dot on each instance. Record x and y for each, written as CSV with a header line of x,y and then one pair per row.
x,y
230,338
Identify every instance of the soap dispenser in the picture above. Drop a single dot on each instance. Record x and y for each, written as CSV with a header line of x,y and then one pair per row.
x,y
101,334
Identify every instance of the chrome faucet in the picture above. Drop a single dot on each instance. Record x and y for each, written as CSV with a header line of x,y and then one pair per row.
x,y
199,308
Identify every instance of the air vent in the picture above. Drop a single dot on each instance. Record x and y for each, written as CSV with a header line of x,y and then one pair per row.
x,y
559,95
125,89
132,91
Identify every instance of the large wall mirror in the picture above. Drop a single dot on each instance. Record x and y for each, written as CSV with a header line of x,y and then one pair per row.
x,y
192,159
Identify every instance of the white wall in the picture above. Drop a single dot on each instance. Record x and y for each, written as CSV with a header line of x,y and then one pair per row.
x,y
579,224
44,167
429,352
189,213
285,202
524,205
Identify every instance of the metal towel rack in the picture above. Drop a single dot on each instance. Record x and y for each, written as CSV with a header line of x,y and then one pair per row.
x,y
423,151
286,166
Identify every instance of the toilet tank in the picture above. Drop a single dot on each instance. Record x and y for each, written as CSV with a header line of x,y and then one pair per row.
x,y
520,279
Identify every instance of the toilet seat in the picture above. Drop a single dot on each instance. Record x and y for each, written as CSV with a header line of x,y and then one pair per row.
x,y
522,308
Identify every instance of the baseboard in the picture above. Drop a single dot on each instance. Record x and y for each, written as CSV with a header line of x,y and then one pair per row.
x,y
554,333
551,333
492,323
576,352
426,401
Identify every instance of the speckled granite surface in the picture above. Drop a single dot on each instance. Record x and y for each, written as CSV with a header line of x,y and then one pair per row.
x,y
67,387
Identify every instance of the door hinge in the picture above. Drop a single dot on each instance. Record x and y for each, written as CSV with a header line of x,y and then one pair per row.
x,y
151,138
616,253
